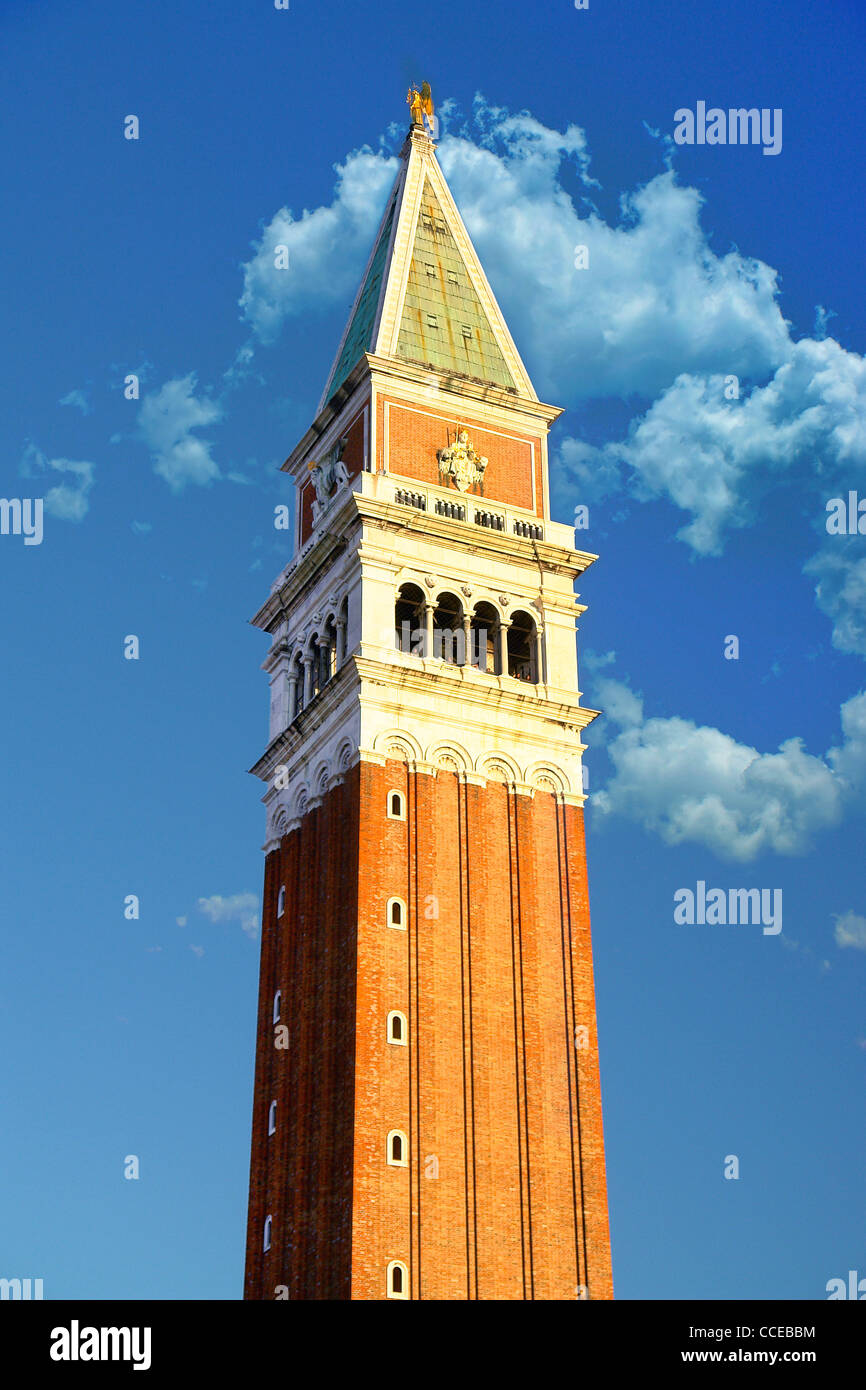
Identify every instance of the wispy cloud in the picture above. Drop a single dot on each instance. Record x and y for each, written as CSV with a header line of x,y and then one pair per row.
x,y
67,501
851,931
242,908
166,420
840,591
77,399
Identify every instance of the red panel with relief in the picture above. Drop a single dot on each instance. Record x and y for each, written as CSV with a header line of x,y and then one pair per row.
x,y
409,438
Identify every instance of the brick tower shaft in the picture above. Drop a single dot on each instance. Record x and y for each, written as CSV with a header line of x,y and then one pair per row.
x,y
427,1113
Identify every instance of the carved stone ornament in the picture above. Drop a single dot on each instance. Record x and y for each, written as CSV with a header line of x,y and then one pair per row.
x,y
459,463
504,600
498,772
466,590
429,580
329,474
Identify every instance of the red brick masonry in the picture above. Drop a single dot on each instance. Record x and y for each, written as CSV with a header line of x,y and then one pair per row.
x,y
504,1195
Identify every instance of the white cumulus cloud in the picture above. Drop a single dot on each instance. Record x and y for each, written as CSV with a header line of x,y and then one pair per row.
x,y
715,457
690,782
851,931
656,300
327,247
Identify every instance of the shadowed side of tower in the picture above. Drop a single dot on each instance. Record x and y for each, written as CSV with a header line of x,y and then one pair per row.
x,y
305,1056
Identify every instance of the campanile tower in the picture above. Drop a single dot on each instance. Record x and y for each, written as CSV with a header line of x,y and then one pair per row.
x,y
427,1112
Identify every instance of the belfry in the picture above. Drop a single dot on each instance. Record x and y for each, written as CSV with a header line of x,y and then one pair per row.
x,y
427,1110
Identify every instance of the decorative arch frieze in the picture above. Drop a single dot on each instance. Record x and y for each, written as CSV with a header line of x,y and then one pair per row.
x,y
345,753
397,743
320,782
450,756
548,777
499,767
301,804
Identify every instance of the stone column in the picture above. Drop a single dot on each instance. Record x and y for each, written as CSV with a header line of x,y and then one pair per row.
x,y
324,661
504,625
280,714
341,641
293,694
467,641
539,657
428,628
309,689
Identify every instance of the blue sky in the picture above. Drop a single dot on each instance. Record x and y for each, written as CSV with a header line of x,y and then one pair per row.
x,y
153,257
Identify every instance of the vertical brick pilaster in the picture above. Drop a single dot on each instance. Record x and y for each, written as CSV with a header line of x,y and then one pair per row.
x,y
495,1087
599,1278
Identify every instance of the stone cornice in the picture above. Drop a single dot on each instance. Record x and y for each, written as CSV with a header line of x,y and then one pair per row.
x,y
286,745
485,701
279,652
420,675
466,387
477,540
327,415
329,544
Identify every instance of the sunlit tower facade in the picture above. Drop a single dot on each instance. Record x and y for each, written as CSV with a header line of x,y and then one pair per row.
x,y
427,1111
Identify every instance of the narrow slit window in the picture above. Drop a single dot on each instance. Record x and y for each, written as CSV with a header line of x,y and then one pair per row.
x,y
266,1240
278,997
396,806
397,1149
397,914
281,900
397,1281
272,1117
397,1028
